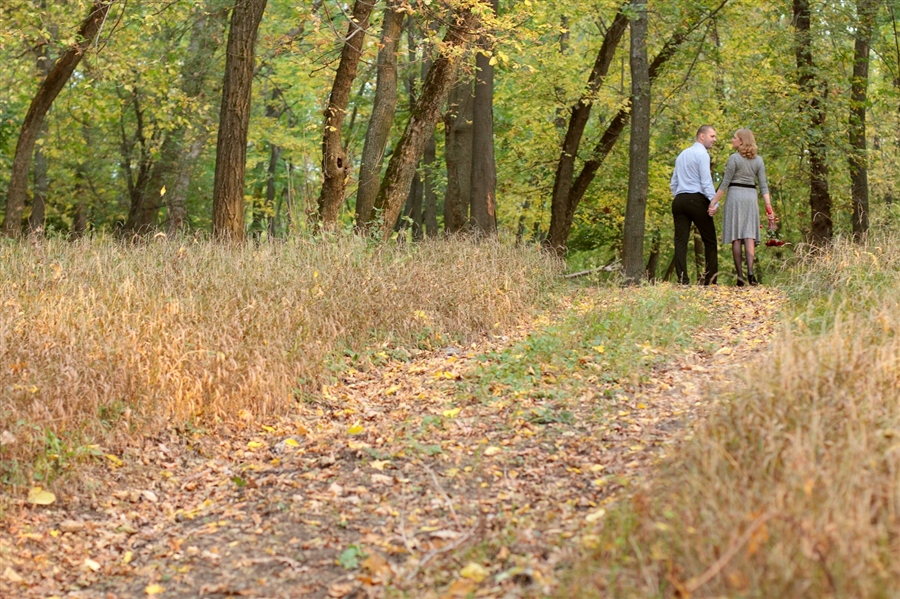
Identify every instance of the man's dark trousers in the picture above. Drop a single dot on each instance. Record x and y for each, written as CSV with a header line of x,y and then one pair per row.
x,y
690,208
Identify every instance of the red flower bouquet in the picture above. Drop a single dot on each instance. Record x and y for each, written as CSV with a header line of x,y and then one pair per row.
x,y
772,238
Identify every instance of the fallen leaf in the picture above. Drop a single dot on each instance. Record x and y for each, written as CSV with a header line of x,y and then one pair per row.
x,y
70,526
11,575
492,450
116,461
356,429
341,589
154,589
594,516
474,572
452,413
91,564
38,496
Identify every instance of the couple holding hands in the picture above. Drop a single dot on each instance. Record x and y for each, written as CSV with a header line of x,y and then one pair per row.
x,y
696,201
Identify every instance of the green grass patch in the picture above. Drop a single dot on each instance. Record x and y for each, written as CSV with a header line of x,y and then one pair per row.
x,y
607,336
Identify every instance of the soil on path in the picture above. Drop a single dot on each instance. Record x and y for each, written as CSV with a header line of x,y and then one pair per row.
x,y
397,482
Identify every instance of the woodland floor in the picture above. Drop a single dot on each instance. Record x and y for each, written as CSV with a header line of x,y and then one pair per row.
x,y
397,482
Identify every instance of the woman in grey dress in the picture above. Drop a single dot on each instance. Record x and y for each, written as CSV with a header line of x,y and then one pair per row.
x,y
740,220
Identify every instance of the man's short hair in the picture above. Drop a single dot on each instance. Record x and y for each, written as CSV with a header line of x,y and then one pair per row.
x,y
703,129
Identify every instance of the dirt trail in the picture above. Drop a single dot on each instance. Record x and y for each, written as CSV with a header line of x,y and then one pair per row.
x,y
397,482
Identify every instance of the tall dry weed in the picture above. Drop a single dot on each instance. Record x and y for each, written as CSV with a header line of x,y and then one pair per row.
x,y
99,339
791,488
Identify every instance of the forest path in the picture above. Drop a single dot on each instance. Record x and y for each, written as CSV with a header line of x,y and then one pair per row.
x,y
405,480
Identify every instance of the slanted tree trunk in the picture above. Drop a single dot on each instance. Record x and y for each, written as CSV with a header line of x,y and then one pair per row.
x,y
581,112
335,164
484,167
562,214
859,84
458,156
812,91
34,119
639,148
402,166
383,110
234,120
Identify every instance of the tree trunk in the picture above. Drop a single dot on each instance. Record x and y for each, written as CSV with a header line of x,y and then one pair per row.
x,y
383,109
812,92
176,204
653,260
859,177
639,148
34,119
429,215
484,167
41,181
206,35
335,164
563,213
234,120
581,112
156,190
458,157
409,149
41,186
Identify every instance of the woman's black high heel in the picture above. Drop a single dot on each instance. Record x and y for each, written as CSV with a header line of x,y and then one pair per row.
x,y
740,282
752,279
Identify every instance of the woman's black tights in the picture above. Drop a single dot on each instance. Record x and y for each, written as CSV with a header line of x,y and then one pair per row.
x,y
750,248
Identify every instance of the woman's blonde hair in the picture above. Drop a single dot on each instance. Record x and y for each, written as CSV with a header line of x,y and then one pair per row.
x,y
748,147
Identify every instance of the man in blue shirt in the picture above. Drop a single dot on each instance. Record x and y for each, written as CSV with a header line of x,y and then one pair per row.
x,y
692,190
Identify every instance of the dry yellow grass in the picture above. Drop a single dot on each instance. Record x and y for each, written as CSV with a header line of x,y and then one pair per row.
x,y
100,340
791,488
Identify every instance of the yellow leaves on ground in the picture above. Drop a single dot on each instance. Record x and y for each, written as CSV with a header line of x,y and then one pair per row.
x,y
115,461
356,429
474,572
452,413
492,450
38,496
154,589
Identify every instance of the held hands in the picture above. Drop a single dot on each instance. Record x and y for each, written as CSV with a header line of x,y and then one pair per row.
x,y
712,209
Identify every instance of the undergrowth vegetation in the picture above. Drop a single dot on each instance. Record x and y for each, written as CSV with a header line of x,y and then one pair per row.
x,y
791,487
101,340
606,337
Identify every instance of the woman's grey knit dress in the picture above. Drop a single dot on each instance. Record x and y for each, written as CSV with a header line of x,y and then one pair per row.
x,y
740,218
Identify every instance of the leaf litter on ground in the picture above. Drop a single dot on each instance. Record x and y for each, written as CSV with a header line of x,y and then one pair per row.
x,y
423,477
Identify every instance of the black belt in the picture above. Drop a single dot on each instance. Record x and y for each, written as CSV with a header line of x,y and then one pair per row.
x,y
742,185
